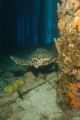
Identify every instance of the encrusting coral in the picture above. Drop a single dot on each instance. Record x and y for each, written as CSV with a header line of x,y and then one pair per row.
x,y
68,49
14,86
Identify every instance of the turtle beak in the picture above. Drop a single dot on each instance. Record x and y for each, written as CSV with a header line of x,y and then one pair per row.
x,y
36,66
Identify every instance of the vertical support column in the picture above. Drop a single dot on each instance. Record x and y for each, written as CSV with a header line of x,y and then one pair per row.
x,y
68,48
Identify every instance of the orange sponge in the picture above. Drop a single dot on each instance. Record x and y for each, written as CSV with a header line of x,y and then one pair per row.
x,y
74,95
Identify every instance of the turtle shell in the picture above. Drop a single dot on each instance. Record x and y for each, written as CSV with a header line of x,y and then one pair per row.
x,y
40,57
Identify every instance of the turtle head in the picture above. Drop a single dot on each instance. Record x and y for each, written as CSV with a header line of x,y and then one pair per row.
x,y
35,63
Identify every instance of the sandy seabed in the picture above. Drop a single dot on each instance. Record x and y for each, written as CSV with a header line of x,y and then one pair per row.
x,y
39,103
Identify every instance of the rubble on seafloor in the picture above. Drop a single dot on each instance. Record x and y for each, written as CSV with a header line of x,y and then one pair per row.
x,y
68,49
18,90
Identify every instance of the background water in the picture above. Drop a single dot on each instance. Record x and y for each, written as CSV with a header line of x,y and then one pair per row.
x,y
27,24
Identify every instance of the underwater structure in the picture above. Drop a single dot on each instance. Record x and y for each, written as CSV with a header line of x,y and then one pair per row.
x,y
15,103
68,49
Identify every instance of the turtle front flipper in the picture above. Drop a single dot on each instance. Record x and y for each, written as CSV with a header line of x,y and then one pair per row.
x,y
53,60
18,60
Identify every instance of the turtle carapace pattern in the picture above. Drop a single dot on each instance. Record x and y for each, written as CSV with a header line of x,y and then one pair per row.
x,y
40,57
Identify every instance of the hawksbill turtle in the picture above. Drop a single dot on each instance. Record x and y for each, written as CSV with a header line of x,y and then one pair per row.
x,y
40,57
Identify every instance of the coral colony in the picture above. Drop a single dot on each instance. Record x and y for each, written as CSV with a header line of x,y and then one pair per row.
x,y
68,48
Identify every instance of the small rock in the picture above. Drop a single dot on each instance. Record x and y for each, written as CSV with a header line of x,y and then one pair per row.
x,y
28,74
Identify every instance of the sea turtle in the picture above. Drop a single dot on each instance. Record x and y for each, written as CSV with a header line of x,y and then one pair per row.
x,y
40,57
